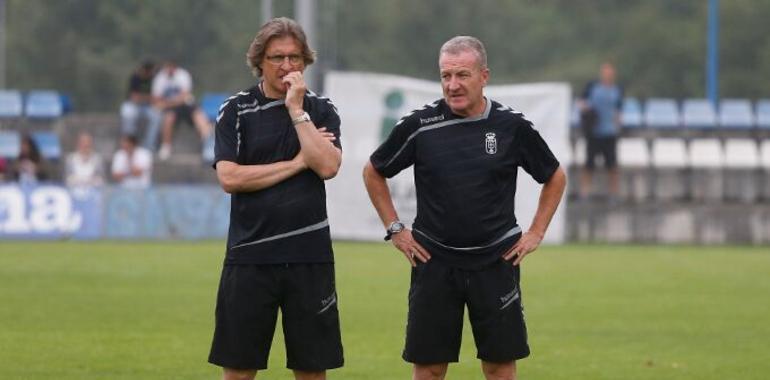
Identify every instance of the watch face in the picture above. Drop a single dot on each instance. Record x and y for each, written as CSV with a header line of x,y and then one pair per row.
x,y
396,227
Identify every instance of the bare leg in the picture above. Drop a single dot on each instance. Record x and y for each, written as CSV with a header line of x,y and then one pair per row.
x,y
169,118
302,375
429,371
239,374
202,124
499,371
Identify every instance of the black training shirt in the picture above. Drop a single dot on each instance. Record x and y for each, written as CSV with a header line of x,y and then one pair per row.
x,y
465,177
287,222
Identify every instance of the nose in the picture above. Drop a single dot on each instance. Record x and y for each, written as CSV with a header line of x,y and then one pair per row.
x,y
285,64
452,84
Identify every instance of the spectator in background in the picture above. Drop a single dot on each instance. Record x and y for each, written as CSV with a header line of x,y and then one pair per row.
x,y
600,106
172,87
140,104
3,168
132,164
29,167
84,168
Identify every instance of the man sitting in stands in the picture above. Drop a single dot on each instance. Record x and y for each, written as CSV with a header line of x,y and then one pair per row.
x,y
172,87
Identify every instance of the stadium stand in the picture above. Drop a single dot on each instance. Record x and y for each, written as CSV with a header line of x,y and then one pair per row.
x,y
669,160
735,114
706,159
661,113
10,143
210,102
43,104
741,169
762,113
698,114
10,104
634,158
631,115
49,144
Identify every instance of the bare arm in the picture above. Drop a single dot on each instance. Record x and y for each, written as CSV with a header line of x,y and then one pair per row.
x,y
236,178
550,197
321,156
379,194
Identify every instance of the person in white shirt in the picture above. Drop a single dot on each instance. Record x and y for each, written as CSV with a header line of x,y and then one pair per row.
x,y
132,164
84,168
172,87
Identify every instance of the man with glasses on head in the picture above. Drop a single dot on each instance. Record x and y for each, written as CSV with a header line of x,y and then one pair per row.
x,y
466,245
276,143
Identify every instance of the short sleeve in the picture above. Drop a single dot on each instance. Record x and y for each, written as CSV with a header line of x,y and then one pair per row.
x,y
397,152
226,134
185,81
535,157
330,119
157,85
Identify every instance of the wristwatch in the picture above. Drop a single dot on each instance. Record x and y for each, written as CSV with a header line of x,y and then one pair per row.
x,y
301,119
393,229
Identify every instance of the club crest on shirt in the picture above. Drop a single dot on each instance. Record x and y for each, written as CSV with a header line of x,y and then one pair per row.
x,y
491,143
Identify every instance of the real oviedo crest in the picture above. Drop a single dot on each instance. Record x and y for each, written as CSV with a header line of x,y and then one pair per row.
x,y
491,143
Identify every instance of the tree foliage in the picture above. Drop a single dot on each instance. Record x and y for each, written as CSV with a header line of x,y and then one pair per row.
x,y
87,48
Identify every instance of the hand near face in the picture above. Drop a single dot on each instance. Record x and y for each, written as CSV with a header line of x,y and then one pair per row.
x,y
295,93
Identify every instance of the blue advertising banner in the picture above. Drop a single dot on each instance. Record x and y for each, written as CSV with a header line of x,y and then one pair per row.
x,y
164,212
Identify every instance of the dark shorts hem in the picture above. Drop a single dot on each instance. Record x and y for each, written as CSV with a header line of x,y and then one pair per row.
x,y
504,359
238,366
298,367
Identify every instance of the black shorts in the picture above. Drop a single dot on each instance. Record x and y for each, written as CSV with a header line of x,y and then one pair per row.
x,y
183,113
438,296
602,146
247,309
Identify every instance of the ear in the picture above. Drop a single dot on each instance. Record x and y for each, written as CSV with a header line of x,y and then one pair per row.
x,y
484,76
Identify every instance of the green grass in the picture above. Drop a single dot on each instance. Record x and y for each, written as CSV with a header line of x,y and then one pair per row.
x,y
113,310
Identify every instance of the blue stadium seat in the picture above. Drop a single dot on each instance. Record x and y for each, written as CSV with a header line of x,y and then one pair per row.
x,y
48,143
763,113
661,113
699,114
211,103
736,114
10,144
43,104
10,104
631,115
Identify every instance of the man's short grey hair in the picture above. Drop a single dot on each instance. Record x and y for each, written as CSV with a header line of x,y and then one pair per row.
x,y
461,44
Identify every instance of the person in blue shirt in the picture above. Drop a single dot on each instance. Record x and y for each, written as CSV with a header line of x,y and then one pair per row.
x,y
604,99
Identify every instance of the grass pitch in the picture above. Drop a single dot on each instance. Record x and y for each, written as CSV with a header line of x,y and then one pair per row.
x,y
120,310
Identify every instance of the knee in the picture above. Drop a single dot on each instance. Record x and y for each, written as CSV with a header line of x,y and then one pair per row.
x,y
301,375
239,374
430,372
499,371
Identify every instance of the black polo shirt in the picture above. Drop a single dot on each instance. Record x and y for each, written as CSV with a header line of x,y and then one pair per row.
x,y
287,222
465,177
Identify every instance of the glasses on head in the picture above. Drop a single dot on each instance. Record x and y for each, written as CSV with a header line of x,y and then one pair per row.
x,y
294,59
